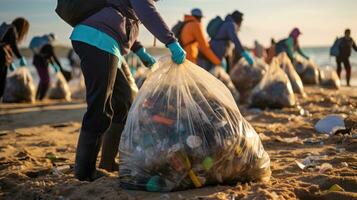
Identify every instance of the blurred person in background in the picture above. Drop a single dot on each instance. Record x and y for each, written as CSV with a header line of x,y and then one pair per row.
x,y
221,42
346,45
193,40
10,36
291,45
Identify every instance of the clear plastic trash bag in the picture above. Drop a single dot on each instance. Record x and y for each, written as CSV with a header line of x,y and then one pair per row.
x,y
59,89
222,75
274,90
19,87
141,75
295,80
329,78
245,77
307,70
184,130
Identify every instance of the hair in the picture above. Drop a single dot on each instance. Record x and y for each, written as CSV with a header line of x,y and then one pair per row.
x,y
237,16
22,27
347,31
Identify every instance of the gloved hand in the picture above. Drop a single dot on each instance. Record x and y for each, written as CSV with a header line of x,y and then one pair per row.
x,y
12,67
248,58
56,68
178,55
146,58
23,61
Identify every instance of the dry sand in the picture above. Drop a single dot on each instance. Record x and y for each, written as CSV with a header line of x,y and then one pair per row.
x,y
37,149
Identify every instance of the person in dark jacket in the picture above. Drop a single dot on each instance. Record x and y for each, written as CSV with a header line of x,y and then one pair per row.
x,y
226,35
42,60
14,35
100,42
291,45
346,45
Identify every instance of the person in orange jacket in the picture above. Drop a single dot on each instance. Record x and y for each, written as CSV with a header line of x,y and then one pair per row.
x,y
193,40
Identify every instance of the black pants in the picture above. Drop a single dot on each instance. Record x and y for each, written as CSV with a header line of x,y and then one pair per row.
x,y
347,65
3,74
41,64
109,95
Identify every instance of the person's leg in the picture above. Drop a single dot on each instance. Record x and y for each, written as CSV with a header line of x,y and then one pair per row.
x,y
3,74
43,72
339,68
99,71
123,96
347,64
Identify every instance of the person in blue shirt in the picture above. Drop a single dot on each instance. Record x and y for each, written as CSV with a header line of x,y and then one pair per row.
x,y
100,42
226,35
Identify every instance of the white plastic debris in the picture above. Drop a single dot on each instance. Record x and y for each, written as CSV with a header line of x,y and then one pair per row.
x,y
330,124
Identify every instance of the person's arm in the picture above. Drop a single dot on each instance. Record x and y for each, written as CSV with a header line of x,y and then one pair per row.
x,y
232,34
145,57
354,45
13,43
299,50
204,46
152,20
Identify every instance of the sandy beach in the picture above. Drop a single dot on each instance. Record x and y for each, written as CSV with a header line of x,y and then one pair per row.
x,y
38,143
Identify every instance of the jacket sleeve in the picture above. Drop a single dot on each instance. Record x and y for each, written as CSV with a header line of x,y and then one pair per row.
x,y
152,20
299,50
53,56
204,46
136,46
13,43
354,45
232,34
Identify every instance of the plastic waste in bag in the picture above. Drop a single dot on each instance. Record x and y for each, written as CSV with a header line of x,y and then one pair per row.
x,y
221,75
184,130
19,87
329,78
59,89
293,76
330,124
245,77
307,70
274,90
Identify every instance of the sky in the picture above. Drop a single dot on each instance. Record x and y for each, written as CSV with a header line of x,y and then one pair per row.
x,y
321,21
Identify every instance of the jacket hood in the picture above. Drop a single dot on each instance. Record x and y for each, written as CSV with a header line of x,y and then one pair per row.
x,y
190,18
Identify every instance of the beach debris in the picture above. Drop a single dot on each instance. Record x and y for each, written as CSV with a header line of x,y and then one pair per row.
x,y
336,188
287,140
325,167
344,164
307,70
340,150
60,169
330,124
309,162
312,141
54,158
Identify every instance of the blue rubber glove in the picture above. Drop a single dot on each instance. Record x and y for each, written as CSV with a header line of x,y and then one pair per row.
x,y
248,58
23,61
56,68
145,57
178,55
12,67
